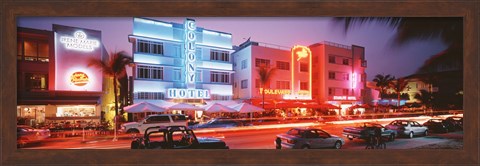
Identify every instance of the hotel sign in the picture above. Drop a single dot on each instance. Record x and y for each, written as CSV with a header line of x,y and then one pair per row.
x,y
174,93
344,98
190,67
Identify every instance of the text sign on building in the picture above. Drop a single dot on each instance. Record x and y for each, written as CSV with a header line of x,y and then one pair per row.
x,y
79,41
275,91
174,93
344,98
190,48
73,49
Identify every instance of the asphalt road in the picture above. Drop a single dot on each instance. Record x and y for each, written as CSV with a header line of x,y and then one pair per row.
x,y
248,138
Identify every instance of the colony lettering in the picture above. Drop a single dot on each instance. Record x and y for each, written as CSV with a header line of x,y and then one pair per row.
x,y
79,42
188,93
190,48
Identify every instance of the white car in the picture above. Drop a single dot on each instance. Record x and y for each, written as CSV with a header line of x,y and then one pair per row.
x,y
154,120
307,138
408,128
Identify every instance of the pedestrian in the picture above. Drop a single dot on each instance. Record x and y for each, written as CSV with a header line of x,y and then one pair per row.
x,y
278,143
378,135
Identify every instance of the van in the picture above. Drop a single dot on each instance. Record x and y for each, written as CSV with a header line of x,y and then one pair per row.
x,y
154,120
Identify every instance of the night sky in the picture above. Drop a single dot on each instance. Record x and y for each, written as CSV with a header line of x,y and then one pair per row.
x,y
383,57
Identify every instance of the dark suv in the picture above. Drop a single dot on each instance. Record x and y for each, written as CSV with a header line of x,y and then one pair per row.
x,y
175,137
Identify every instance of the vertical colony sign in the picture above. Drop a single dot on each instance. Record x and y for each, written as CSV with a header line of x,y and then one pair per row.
x,y
190,67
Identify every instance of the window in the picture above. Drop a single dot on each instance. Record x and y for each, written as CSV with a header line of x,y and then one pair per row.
x,y
217,55
331,59
283,65
244,64
345,91
36,81
149,95
259,62
198,76
177,74
33,50
158,119
149,72
303,67
221,77
149,47
244,84
346,76
283,84
303,85
331,75
331,91
345,62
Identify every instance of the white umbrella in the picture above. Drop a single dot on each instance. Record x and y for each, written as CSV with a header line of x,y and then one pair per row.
x,y
246,108
143,107
215,107
184,107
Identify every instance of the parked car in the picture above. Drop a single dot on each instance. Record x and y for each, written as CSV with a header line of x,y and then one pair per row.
x,y
308,138
175,137
365,130
407,128
27,135
457,121
439,125
219,123
154,120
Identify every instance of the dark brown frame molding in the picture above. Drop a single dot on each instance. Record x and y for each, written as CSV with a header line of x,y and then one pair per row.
x,y
10,10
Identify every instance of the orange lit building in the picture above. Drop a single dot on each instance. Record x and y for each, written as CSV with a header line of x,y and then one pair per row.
x,y
304,77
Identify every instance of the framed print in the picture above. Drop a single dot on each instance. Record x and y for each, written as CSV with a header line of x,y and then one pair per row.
x,y
295,82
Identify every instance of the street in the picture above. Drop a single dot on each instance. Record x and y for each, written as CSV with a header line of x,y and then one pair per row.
x,y
251,137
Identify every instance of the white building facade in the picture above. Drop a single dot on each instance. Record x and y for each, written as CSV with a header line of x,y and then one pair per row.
x,y
180,62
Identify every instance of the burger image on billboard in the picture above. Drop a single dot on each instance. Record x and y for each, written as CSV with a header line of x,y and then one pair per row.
x,y
79,79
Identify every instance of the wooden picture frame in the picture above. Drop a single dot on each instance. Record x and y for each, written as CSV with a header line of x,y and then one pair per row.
x,y
10,10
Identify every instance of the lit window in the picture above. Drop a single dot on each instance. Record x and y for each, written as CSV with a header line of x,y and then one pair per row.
x,y
219,77
149,47
33,50
149,72
149,95
36,81
216,55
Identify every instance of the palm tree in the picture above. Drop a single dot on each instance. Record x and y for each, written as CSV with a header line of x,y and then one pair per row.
x,y
383,82
115,68
398,86
265,74
425,97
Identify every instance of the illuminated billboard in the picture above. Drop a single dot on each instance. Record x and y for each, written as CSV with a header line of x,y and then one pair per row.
x,y
73,47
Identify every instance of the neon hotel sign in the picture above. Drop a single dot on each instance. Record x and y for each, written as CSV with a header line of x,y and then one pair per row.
x,y
190,47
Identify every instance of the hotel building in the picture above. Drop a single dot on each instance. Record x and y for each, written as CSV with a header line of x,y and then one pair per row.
x,y
339,76
53,80
321,73
181,63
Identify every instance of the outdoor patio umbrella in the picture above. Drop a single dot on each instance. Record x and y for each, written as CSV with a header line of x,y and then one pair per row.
x,y
143,107
184,107
246,108
215,107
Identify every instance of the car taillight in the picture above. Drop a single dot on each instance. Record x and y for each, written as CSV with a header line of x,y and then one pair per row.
x,y
291,141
